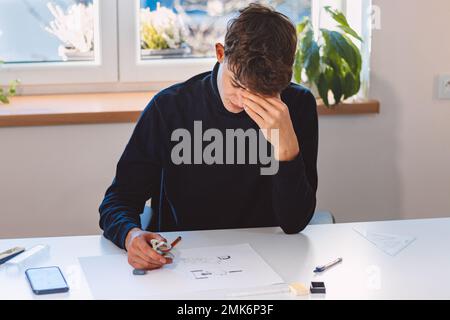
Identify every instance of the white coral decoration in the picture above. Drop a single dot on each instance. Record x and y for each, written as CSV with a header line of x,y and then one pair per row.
x,y
75,28
166,23
215,8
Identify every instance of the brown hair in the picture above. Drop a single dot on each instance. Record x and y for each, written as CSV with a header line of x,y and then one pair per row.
x,y
260,47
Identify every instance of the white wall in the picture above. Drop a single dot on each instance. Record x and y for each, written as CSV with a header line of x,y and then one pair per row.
x,y
388,166
395,165
52,179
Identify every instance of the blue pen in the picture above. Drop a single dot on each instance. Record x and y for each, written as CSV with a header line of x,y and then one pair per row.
x,y
320,269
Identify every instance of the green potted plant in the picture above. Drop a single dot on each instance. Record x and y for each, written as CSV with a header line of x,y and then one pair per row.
x,y
5,94
330,62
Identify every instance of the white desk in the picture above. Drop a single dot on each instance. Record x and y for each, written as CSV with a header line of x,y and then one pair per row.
x,y
420,271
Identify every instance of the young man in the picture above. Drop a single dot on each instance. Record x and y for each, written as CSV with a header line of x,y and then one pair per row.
x,y
248,89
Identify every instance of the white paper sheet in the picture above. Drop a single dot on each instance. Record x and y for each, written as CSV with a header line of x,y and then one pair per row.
x,y
198,269
389,243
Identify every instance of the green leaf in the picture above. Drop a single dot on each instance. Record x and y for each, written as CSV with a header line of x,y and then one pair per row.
x,y
12,87
302,25
4,99
308,54
324,84
298,68
336,87
306,34
351,85
332,65
340,18
337,15
351,32
348,84
11,91
338,47
311,57
357,54
343,57
335,79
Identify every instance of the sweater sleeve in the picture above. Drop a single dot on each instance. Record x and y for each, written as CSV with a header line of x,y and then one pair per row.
x,y
294,187
136,180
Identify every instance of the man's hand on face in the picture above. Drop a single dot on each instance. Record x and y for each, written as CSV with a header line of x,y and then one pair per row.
x,y
140,252
273,113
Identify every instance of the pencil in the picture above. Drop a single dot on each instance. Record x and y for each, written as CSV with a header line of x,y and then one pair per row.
x,y
175,242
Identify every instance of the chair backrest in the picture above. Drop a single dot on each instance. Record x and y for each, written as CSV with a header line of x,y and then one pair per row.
x,y
322,217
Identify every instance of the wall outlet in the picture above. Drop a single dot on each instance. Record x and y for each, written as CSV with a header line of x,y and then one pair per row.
x,y
444,87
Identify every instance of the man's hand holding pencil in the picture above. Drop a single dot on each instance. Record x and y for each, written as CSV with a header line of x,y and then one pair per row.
x,y
142,255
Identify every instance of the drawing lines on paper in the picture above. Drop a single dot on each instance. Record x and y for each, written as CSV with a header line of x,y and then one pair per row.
x,y
212,267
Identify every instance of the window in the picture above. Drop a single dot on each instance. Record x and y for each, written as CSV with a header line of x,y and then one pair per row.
x,y
190,28
58,41
171,40
121,43
48,32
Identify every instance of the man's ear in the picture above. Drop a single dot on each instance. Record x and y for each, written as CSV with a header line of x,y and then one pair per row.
x,y
220,52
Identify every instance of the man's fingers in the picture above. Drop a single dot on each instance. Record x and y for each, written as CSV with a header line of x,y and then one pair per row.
x,y
139,263
141,254
144,247
252,114
269,104
276,102
257,108
149,236
147,259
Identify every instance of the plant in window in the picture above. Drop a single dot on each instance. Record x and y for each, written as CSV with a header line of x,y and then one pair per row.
x,y
75,29
162,31
331,63
5,94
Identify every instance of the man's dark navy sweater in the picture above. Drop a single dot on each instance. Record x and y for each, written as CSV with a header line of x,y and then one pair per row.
x,y
200,196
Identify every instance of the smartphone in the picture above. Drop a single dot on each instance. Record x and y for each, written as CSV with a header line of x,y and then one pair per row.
x,y
46,280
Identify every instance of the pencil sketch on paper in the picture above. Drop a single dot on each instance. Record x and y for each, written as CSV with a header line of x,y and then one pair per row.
x,y
208,268
229,267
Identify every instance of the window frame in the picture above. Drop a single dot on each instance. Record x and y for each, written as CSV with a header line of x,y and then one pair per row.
x,y
134,69
359,14
118,66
